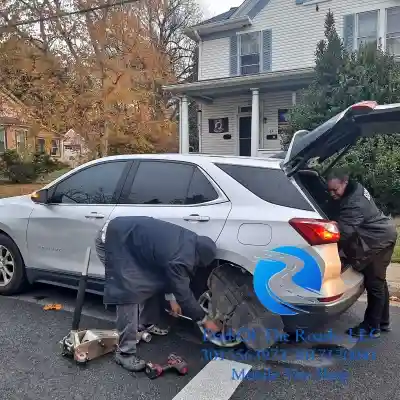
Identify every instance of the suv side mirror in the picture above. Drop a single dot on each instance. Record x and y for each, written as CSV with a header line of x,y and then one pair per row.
x,y
41,196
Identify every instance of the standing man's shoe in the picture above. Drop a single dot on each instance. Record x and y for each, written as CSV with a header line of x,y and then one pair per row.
x,y
130,362
364,331
386,328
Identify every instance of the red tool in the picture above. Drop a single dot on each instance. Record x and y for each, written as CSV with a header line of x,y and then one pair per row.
x,y
174,362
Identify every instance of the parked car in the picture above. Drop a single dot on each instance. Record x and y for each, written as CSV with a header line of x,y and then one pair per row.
x,y
248,206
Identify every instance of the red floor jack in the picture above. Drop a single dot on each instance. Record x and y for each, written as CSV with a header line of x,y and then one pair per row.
x,y
174,362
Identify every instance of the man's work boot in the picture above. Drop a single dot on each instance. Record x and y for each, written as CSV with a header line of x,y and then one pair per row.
x,y
130,362
364,331
386,327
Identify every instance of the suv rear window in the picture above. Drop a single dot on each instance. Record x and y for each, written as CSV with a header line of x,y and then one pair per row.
x,y
271,185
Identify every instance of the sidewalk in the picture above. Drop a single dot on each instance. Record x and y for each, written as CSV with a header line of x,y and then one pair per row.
x,y
393,279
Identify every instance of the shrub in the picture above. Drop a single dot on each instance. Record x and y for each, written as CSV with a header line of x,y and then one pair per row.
x,y
15,169
20,170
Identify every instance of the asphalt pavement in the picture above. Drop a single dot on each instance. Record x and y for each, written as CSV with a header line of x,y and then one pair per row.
x,y
32,368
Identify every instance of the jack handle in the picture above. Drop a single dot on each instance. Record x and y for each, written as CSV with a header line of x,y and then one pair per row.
x,y
80,298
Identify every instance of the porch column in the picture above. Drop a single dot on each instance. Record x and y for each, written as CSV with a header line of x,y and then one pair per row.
x,y
294,98
255,122
184,126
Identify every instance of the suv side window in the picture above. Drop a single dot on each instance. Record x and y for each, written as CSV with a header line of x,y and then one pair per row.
x,y
200,189
168,182
160,182
93,185
271,185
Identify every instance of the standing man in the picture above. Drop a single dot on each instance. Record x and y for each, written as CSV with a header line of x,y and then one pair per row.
x,y
367,238
145,258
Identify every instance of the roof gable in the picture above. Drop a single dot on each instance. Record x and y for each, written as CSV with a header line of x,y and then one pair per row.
x,y
248,8
7,95
220,17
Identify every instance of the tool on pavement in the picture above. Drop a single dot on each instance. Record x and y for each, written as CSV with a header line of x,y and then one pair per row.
x,y
85,345
52,307
144,336
174,362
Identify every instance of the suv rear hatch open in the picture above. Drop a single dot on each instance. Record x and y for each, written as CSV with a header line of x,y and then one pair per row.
x,y
338,134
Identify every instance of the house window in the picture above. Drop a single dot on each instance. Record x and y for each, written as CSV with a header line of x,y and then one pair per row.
x,y
393,31
20,140
367,28
55,147
40,145
2,139
245,109
250,53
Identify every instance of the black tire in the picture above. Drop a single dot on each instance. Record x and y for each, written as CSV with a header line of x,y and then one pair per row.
x,y
234,291
18,281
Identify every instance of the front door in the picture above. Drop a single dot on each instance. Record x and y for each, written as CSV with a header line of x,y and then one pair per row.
x,y
59,233
245,136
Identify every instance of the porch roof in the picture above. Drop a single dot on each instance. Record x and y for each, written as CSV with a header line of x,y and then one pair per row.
x,y
265,82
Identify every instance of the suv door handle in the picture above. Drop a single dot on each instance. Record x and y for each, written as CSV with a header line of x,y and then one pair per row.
x,y
94,215
196,217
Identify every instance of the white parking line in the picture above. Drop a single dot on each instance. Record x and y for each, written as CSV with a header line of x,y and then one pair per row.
x,y
218,380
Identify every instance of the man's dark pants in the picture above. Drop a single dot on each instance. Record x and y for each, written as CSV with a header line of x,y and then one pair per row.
x,y
377,312
128,315
127,324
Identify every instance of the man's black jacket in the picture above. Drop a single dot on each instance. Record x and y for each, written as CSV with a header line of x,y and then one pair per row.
x,y
145,256
364,229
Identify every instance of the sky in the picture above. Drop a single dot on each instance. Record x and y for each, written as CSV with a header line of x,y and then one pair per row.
x,y
214,7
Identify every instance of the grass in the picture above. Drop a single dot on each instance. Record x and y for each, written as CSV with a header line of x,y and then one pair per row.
x,y
13,189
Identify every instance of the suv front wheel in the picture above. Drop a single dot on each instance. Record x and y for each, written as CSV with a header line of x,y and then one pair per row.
x,y
12,268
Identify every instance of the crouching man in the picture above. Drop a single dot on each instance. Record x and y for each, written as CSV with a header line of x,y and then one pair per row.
x,y
145,258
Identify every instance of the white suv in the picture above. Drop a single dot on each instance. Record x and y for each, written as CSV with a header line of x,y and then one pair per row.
x,y
248,206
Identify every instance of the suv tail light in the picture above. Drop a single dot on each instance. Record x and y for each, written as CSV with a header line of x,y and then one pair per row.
x,y
316,231
330,299
362,105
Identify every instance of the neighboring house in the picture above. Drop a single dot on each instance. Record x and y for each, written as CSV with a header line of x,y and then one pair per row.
x,y
15,129
254,60
74,149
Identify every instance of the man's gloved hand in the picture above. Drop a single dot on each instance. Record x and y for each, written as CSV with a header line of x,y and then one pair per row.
x,y
211,325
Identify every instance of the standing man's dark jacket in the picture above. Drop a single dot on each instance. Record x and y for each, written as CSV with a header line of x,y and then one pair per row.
x,y
145,256
364,229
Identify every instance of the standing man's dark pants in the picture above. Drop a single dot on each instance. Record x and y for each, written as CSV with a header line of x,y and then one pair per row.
x,y
377,312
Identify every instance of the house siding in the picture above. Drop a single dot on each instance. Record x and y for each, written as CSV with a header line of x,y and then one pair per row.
x,y
214,59
296,30
214,143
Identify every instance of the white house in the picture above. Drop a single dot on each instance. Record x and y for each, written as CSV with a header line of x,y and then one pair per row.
x,y
254,59
74,149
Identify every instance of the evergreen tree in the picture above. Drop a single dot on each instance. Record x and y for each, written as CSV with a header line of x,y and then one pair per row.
x,y
342,79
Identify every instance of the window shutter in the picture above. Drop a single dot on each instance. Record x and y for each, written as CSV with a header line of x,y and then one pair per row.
x,y
349,31
267,50
233,53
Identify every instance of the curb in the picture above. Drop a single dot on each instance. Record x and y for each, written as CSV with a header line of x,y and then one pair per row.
x,y
394,289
